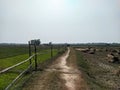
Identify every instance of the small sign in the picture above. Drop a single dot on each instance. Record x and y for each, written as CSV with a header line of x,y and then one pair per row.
x,y
35,42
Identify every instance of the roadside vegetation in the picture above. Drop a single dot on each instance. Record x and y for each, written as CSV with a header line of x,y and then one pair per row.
x,y
99,73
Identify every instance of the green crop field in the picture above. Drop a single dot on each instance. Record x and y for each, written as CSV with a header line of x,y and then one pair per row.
x,y
12,50
13,54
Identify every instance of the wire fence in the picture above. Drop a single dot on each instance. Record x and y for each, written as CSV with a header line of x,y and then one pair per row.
x,y
32,62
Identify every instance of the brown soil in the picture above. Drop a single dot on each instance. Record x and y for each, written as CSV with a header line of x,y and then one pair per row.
x,y
98,72
63,74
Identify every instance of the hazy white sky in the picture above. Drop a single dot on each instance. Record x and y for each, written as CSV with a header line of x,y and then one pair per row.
x,y
71,21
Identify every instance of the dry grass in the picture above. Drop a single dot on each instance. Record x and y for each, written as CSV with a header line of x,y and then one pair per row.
x,y
98,72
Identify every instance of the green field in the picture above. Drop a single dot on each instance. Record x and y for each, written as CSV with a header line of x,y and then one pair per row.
x,y
12,50
13,54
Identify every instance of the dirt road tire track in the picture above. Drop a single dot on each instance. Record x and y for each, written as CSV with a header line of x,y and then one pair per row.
x,y
63,74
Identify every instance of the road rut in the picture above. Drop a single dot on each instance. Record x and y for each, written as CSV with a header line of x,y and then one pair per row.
x,y
69,76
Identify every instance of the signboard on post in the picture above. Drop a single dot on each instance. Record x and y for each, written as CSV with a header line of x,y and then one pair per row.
x,y
35,43
50,43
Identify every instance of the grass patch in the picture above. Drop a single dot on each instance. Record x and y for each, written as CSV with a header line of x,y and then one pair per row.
x,y
6,78
82,62
7,62
12,50
89,73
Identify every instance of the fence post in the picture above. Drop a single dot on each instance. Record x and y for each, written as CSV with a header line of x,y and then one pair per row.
x,y
51,51
35,57
29,51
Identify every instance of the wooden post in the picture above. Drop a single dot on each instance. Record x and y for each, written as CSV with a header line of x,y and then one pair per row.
x,y
35,57
51,51
29,51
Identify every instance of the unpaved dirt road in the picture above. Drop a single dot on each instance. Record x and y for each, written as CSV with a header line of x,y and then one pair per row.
x,y
63,74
